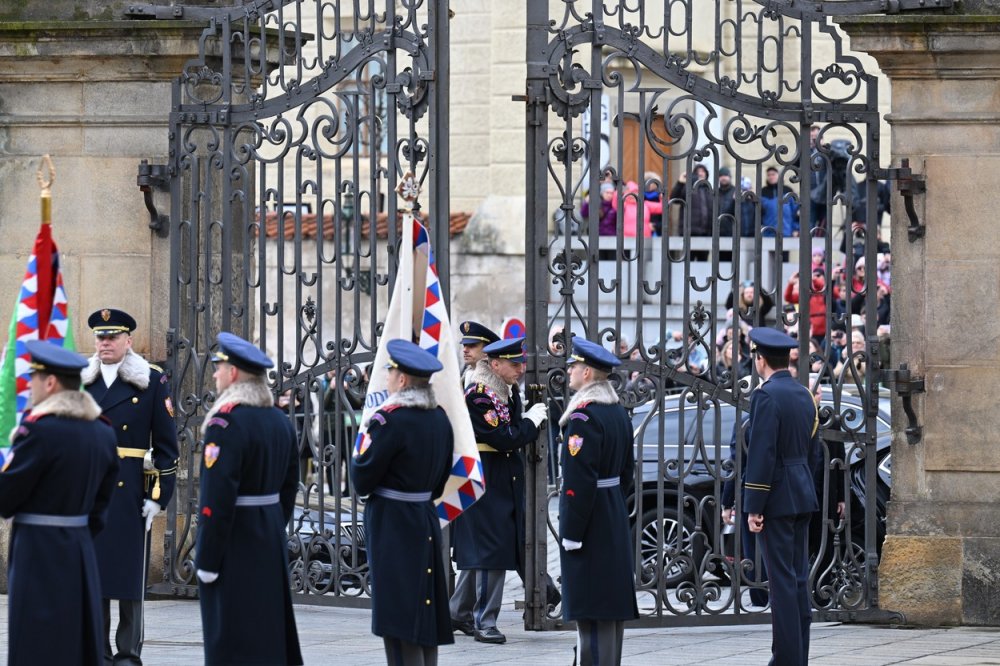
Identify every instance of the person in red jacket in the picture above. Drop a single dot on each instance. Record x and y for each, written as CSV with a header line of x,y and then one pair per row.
x,y
817,300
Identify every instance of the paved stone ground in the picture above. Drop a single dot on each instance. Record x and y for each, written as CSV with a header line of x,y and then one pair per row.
x,y
332,635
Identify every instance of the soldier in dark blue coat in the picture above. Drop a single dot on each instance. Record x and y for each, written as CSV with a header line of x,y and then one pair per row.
x,y
403,462
56,483
598,462
135,396
489,535
249,478
778,491
475,337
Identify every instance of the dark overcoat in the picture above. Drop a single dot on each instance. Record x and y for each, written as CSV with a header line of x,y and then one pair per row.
x,y
64,466
407,449
142,419
598,579
246,613
490,533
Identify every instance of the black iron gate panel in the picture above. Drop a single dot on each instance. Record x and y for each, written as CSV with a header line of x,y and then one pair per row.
x,y
696,169
288,136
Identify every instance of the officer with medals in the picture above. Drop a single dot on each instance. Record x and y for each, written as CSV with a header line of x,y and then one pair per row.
x,y
489,536
403,462
56,483
249,478
475,337
779,495
598,463
135,396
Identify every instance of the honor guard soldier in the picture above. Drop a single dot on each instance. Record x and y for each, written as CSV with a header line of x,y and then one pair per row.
x,y
249,478
598,462
403,462
489,535
778,491
135,397
475,336
56,483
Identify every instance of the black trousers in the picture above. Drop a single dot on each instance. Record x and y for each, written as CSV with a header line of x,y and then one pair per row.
x,y
128,636
785,544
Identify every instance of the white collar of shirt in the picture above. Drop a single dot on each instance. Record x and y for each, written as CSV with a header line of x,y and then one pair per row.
x,y
110,372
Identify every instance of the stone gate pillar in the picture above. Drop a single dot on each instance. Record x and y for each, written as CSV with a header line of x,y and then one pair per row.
x,y
941,558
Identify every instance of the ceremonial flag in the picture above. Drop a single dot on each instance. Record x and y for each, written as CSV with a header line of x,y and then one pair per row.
x,y
40,313
416,306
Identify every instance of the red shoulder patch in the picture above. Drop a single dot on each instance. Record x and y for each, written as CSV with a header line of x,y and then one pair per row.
x,y
228,407
583,404
31,418
388,409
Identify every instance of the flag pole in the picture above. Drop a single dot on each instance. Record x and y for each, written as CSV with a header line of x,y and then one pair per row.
x,y
45,183
408,191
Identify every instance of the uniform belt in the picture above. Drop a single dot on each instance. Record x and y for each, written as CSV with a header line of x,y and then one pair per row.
x,y
610,482
257,500
401,496
124,452
486,448
50,520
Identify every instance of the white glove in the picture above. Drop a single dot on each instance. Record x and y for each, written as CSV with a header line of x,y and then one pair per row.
x,y
569,544
149,511
207,577
537,414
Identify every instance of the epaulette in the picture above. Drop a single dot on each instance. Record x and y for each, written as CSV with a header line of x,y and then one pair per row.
x,y
156,367
228,407
31,418
388,409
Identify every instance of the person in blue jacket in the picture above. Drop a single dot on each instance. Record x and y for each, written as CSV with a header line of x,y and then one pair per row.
x,y
779,495
489,536
56,482
598,462
135,396
402,462
249,479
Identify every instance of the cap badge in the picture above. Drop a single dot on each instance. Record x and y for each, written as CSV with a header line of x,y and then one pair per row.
x,y
105,314
466,327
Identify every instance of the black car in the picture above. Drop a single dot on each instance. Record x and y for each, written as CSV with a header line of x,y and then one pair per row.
x,y
688,481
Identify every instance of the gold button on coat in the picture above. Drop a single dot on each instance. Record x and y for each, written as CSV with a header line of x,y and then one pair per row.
x,y
121,483
125,427
135,400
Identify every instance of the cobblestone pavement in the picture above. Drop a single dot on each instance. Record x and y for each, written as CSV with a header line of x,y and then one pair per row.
x,y
334,635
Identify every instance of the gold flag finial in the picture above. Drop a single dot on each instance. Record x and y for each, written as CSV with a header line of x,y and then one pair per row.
x,y
46,184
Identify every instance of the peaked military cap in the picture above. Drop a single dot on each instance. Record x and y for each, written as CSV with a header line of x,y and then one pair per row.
x,y
111,322
53,359
771,341
593,354
236,351
511,349
474,333
409,358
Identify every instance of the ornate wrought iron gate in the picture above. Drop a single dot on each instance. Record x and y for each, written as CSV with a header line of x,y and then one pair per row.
x,y
652,107
288,135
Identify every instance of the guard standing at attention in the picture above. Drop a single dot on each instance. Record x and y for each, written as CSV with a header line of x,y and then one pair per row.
x,y
56,483
778,490
403,462
489,536
249,478
598,463
135,397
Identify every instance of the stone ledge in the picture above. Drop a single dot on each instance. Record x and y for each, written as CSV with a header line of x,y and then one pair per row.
x,y
933,519
921,577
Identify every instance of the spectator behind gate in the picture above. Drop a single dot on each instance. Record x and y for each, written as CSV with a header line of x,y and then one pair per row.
x,y
700,194
630,214
607,219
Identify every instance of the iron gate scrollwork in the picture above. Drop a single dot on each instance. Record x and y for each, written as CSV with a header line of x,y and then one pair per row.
x,y
638,110
288,136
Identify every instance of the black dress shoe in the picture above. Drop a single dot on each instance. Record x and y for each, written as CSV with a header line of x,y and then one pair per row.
x,y
490,635
553,597
467,628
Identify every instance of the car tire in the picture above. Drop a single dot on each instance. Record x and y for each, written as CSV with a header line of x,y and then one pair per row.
x,y
678,567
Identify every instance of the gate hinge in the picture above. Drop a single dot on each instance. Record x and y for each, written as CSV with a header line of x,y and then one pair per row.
x,y
905,385
908,184
150,177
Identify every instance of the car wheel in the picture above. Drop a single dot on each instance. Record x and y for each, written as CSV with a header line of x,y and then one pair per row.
x,y
681,552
